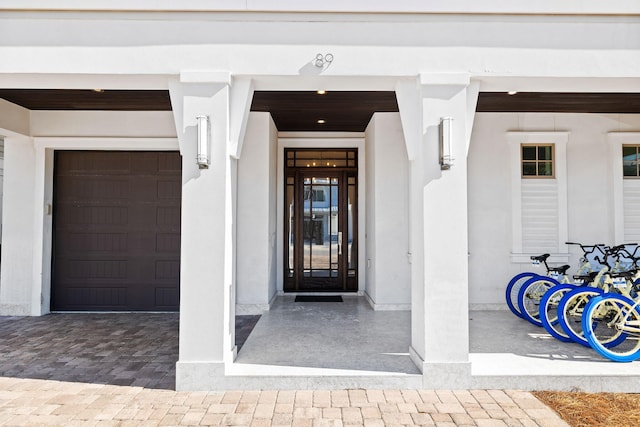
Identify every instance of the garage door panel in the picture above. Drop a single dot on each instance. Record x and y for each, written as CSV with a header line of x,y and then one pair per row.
x,y
146,163
166,297
167,162
167,242
145,189
94,241
102,162
117,236
168,190
84,298
167,216
91,216
93,188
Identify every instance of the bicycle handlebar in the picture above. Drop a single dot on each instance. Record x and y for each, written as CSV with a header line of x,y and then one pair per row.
x,y
589,249
580,244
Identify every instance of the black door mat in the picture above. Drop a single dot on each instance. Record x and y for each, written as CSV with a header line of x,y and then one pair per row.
x,y
318,298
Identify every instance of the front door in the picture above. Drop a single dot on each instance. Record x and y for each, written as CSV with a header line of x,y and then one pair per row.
x,y
320,221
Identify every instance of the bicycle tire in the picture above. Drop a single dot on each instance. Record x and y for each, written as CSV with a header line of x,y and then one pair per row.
x,y
513,287
601,316
570,311
549,311
531,294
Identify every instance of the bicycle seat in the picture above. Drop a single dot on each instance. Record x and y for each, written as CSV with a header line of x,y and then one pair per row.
x,y
586,277
540,258
562,269
626,274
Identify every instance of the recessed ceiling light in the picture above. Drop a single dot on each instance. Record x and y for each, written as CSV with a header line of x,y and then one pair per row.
x,y
321,121
512,92
321,92
98,90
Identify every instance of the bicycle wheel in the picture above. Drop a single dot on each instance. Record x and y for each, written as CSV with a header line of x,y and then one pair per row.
x,y
513,288
549,311
531,294
570,311
613,319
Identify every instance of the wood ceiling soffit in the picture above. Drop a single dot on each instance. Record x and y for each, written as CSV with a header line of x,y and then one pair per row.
x,y
558,102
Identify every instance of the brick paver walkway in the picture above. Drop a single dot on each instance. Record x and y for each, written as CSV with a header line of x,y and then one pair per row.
x,y
26,402
119,370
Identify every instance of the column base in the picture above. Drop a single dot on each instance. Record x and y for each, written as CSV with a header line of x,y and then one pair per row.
x,y
199,376
15,310
442,375
446,375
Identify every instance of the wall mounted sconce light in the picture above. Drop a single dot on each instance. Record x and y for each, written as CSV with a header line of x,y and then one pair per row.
x,y
203,142
323,60
446,143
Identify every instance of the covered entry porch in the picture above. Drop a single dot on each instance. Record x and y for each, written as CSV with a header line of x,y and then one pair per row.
x,y
297,345
401,188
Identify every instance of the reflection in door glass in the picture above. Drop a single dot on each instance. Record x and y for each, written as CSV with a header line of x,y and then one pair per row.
x,y
351,212
307,230
320,227
334,232
290,220
320,219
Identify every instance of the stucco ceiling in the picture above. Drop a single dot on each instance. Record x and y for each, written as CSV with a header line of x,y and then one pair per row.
x,y
339,110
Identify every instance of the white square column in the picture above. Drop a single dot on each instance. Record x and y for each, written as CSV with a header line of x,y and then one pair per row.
x,y
206,261
20,287
438,226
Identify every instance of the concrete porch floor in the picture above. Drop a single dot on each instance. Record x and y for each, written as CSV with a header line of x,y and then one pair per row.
x,y
326,345
337,345
507,352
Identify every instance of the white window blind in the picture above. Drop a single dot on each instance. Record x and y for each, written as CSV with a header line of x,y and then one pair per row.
x,y
539,222
539,215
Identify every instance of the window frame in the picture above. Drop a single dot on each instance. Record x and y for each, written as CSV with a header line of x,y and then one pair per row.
x,y
637,175
537,161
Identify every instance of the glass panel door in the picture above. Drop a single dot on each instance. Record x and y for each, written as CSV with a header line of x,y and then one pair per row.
x,y
320,222
321,238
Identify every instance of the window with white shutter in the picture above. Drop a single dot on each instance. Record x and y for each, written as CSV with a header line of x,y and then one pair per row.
x,y
538,194
624,157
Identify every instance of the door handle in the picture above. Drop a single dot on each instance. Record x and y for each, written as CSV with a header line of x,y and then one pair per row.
x,y
339,242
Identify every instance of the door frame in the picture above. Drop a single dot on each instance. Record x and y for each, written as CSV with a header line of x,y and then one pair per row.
x,y
342,279
321,141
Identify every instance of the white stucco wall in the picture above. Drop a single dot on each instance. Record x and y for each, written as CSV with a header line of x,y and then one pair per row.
x,y
388,276
129,124
16,277
589,191
141,50
256,216
369,245
403,6
13,119
273,211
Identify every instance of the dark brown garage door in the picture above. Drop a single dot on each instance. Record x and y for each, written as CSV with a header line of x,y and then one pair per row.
x,y
116,231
